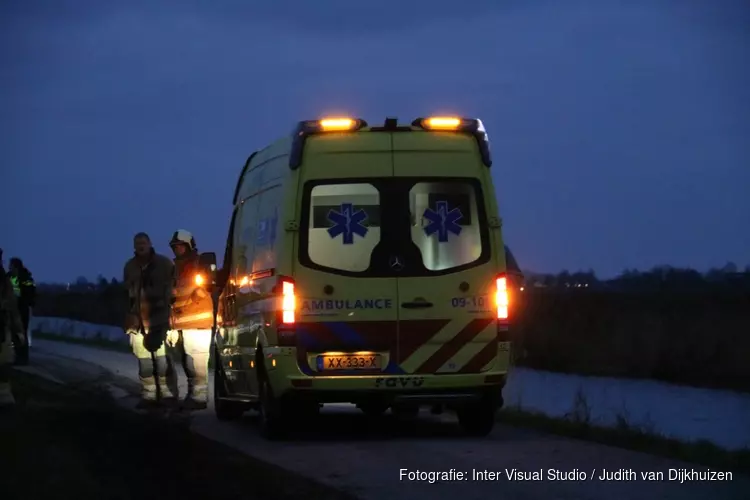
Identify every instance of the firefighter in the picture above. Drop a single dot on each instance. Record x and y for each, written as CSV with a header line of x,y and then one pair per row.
x,y
11,327
24,289
192,318
148,277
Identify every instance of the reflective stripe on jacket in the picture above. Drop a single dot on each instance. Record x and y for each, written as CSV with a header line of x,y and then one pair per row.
x,y
16,286
24,288
192,308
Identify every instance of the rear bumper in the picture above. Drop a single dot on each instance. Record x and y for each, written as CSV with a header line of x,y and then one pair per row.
x,y
290,384
447,397
427,389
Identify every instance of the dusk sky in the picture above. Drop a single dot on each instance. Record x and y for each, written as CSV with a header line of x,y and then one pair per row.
x,y
620,130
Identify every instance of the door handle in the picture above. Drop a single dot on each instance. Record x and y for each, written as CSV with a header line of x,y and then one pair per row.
x,y
420,304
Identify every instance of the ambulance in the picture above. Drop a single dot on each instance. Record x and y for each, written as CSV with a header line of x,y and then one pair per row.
x,y
366,265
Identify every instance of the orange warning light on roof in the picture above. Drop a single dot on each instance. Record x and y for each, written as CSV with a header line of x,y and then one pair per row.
x,y
332,124
442,123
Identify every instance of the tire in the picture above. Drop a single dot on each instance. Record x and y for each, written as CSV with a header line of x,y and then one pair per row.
x,y
373,409
477,420
224,409
407,412
273,424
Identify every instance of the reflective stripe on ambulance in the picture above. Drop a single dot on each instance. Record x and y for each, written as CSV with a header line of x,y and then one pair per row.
x,y
421,346
458,346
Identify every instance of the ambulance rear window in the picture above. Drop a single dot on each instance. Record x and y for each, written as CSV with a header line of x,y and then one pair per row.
x,y
445,224
344,225
379,227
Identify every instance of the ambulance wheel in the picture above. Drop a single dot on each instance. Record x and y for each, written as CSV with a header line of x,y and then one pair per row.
x,y
405,411
477,420
373,409
272,422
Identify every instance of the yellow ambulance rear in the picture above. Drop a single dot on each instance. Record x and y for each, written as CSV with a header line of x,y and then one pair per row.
x,y
366,264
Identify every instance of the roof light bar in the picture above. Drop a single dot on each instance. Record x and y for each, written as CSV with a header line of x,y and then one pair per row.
x,y
472,126
307,128
441,123
331,124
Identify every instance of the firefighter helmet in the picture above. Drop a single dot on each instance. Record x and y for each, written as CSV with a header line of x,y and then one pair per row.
x,y
184,237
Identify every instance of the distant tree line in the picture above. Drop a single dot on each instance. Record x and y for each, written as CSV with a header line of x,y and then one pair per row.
x,y
660,278
82,284
670,324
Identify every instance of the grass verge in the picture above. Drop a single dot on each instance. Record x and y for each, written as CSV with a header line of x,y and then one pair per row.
x,y
77,442
632,438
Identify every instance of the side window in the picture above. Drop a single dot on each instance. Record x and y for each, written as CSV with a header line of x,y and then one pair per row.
x,y
446,225
344,225
266,230
244,237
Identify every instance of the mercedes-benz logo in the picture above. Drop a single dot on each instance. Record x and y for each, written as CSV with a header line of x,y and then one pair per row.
x,y
395,263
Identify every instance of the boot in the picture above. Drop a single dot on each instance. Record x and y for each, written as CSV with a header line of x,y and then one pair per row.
x,y
166,395
149,395
172,384
191,403
197,397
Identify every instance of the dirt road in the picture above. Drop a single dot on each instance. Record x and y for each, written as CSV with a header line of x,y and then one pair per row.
x,y
366,457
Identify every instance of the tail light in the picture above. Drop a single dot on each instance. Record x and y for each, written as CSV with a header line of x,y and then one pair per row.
x,y
501,297
502,304
286,317
288,301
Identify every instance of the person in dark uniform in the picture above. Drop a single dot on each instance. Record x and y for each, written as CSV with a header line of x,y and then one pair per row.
x,y
24,289
10,328
149,278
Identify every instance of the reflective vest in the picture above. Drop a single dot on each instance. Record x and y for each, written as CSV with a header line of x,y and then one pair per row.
x,y
16,286
192,308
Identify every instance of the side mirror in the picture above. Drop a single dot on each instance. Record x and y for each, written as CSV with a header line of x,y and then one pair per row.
x,y
207,260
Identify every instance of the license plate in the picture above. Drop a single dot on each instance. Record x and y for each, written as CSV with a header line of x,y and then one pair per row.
x,y
349,362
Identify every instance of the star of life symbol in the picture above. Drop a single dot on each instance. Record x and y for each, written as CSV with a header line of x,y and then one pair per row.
x,y
347,222
443,221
